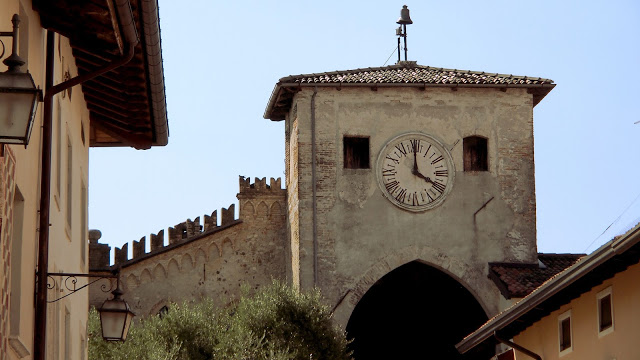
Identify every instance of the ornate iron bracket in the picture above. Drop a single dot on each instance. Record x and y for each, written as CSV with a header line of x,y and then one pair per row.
x,y
70,281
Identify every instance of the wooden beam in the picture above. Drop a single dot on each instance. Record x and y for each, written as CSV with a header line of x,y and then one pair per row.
x,y
114,95
114,24
106,102
139,142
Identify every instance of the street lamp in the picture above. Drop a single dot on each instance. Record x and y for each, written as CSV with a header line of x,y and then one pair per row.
x,y
19,95
115,317
115,314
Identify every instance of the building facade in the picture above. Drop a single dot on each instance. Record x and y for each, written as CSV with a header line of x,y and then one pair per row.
x,y
57,50
588,311
402,182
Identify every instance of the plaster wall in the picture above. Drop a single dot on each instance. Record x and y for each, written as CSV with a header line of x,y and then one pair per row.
x,y
20,174
542,337
361,236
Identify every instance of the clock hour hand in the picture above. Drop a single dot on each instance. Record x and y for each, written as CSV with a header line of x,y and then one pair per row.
x,y
425,178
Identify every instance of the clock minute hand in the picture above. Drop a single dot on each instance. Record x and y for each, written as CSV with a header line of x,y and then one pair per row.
x,y
415,170
415,162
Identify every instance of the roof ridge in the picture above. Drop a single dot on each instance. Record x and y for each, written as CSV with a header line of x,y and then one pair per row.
x,y
413,66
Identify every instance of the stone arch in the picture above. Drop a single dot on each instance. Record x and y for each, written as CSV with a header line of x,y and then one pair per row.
x,y
201,256
159,272
276,210
145,276
263,209
248,208
214,251
173,267
226,246
187,262
458,269
132,282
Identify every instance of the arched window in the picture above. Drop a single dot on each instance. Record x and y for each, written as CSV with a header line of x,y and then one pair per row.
x,y
475,154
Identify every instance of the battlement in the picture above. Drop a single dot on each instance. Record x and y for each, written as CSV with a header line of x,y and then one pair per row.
x,y
260,187
182,232
191,229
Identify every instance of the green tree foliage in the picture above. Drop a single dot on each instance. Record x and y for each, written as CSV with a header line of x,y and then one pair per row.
x,y
276,323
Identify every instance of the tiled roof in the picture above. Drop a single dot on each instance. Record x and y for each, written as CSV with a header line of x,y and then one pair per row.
x,y
518,280
405,73
410,72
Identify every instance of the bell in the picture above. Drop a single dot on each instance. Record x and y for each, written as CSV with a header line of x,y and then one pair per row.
x,y
404,19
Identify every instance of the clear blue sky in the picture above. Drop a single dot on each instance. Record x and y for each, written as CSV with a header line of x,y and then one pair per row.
x,y
222,60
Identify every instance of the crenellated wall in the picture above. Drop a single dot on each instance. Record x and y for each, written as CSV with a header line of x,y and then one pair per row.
x,y
178,234
206,260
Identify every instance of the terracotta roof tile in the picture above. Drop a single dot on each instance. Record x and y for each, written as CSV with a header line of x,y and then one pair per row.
x,y
410,72
403,74
518,280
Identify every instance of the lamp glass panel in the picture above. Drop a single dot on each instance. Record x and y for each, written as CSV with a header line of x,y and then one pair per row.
x,y
113,316
126,325
112,324
15,114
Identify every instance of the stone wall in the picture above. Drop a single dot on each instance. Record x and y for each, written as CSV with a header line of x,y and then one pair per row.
x,y
207,260
488,216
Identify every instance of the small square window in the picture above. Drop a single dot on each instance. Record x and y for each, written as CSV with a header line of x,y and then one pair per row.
x,y
564,333
356,152
475,153
605,312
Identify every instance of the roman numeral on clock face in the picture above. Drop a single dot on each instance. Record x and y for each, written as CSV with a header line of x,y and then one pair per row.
x,y
415,145
401,195
401,148
439,187
389,172
395,161
442,173
392,186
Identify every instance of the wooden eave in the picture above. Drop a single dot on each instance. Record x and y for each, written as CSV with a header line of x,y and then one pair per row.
x,y
127,106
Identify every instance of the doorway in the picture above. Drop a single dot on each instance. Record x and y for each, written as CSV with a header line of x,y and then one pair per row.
x,y
415,312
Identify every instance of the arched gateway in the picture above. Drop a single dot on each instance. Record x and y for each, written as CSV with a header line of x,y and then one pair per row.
x,y
415,312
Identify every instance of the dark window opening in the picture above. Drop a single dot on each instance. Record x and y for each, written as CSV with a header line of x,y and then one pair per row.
x,y
163,311
356,152
475,154
606,318
565,334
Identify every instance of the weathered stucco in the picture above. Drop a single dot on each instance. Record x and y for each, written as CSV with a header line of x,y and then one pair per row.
x,y
361,236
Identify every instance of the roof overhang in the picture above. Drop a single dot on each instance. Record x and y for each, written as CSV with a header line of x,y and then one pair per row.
x,y
406,74
127,105
610,259
282,95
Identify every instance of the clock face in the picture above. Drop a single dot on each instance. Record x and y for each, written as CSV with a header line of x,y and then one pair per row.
x,y
415,171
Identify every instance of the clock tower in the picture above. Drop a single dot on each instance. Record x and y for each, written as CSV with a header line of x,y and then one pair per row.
x,y
403,183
